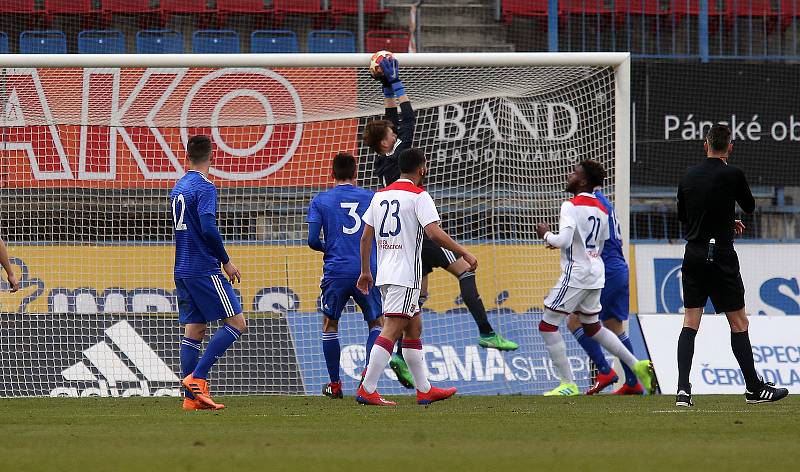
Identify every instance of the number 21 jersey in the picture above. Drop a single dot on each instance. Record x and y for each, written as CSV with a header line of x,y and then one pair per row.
x,y
399,213
581,264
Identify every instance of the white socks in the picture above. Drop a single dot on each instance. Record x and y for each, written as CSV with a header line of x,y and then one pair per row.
x,y
378,358
558,354
611,342
415,358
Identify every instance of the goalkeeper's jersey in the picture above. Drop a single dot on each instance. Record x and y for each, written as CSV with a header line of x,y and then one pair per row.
x,y
386,167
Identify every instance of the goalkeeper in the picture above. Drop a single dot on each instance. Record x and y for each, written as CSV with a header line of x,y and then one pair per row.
x,y
388,138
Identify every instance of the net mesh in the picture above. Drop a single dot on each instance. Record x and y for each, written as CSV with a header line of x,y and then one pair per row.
x,y
88,156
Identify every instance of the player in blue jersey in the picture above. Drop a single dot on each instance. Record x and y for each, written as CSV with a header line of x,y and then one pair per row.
x,y
204,294
337,213
614,299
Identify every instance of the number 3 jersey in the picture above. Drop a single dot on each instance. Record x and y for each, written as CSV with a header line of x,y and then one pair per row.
x,y
193,195
340,211
399,213
581,265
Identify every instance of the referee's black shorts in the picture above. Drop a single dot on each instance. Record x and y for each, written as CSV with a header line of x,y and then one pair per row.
x,y
720,280
434,256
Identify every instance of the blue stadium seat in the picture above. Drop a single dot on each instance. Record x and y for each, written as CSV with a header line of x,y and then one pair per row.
x,y
274,41
159,42
42,42
3,43
101,42
331,41
215,42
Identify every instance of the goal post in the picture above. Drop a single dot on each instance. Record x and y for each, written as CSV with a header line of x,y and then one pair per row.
x,y
90,146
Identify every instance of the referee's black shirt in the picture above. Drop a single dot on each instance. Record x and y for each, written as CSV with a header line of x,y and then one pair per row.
x,y
706,196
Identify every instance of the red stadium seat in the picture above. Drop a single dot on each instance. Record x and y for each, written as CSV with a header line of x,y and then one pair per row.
x,y
20,10
142,9
253,8
204,14
755,10
524,8
372,10
790,9
389,40
82,9
310,8
586,7
652,9
716,11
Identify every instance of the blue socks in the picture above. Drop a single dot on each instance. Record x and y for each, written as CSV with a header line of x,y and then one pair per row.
x,y
222,340
332,351
630,377
373,335
190,354
593,349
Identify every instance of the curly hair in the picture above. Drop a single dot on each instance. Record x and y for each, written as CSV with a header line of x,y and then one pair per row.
x,y
594,171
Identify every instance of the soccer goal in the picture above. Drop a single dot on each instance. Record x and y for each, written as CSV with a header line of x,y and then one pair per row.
x,y
92,144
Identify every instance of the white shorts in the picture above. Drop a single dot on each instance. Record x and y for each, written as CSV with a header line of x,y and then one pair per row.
x,y
400,301
566,300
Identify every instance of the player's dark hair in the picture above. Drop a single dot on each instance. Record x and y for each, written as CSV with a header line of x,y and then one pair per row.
x,y
410,160
344,166
374,132
718,138
595,173
198,149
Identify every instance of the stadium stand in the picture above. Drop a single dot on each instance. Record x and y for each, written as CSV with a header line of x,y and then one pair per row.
x,y
305,8
253,9
524,8
42,42
147,12
274,41
372,10
81,9
101,42
203,14
215,42
4,43
331,41
159,42
389,40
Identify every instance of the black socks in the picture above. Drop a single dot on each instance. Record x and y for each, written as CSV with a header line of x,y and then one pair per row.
x,y
685,355
469,292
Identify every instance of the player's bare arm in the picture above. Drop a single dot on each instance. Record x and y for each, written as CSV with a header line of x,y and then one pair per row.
x,y
437,235
13,282
232,271
365,280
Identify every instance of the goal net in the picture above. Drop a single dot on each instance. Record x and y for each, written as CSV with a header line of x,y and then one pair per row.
x,y
91,146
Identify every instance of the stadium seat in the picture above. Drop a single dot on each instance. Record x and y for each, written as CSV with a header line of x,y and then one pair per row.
x,y
274,41
83,9
389,40
683,8
159,42
790,10
307,8
652,9
42,42
101,42
199,9
524,8
372,11
19,11
331,41
3,43
215,42
755,10
585,7
142,9
251,8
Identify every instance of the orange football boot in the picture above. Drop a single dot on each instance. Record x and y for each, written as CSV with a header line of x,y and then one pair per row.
x,y
199,389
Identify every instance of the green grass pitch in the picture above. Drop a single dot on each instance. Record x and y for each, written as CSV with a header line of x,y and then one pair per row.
x,y
497,433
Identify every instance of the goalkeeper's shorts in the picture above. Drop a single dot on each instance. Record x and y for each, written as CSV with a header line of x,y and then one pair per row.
x,y
434,256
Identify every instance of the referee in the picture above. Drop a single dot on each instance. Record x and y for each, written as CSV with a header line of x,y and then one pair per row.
x,y
706,207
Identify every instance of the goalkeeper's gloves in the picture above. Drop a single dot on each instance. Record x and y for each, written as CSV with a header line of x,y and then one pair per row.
x,y
388,91
391,71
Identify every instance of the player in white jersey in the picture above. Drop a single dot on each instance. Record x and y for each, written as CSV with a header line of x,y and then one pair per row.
x,y
583,229
397,217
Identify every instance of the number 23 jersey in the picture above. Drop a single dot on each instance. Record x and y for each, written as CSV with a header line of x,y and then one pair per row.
x,y
399,213
581,264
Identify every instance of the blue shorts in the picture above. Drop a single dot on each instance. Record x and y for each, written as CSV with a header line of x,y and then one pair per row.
x,y
337,292
205,299
615,297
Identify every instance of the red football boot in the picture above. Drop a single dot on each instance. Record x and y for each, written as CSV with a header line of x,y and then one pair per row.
x,y
628,390
602,381
434,395
333,390
373,398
